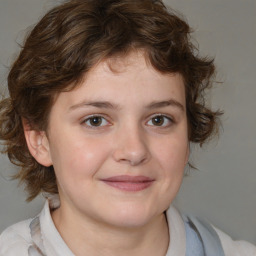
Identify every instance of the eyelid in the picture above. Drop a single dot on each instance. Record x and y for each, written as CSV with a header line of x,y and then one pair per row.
x,y
87,118
170,119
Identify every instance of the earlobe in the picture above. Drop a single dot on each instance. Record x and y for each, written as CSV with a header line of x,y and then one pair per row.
x,y
38,145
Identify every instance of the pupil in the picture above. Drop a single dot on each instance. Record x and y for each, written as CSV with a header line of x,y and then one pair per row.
x,y
158,120
96,121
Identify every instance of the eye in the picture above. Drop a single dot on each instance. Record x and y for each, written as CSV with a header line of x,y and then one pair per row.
x,y
160,120
95,121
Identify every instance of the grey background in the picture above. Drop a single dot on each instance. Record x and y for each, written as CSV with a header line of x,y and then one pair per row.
x,y
224,187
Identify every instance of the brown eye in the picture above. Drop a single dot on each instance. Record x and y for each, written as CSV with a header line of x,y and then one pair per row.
x,y
96,121
160,120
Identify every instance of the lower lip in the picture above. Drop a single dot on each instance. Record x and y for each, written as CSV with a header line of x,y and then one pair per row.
x,y
129,186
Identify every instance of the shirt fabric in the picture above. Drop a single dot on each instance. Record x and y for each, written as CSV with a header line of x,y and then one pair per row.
x,y
16,240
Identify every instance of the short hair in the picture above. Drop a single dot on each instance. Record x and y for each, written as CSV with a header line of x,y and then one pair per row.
x,y
71,39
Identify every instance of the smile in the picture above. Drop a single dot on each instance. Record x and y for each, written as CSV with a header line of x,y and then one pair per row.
x,y
129,183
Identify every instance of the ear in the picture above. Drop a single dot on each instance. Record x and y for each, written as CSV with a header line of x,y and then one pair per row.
x,y
38,145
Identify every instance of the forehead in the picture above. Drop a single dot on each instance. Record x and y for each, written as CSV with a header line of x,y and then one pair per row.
x,y
126,78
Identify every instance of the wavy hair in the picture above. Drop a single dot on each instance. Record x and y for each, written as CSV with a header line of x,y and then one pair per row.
x,y
71,39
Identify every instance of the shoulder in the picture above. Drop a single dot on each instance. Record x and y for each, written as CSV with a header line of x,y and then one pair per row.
x,y
214,240
16,239
235,248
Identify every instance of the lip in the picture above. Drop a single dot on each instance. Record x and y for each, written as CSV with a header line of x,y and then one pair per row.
x,y
129,183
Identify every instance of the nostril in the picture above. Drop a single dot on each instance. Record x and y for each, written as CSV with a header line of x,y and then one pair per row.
x,y
131,154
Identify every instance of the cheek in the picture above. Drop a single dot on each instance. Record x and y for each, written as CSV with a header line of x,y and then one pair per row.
x,y
172,156
73,158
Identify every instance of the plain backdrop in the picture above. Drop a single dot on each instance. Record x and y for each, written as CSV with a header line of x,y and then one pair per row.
x,y
223,189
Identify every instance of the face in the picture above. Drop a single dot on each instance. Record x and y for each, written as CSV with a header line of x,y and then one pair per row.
x,y
119,143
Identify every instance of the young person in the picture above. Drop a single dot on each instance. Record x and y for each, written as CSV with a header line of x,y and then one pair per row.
x,y
105,98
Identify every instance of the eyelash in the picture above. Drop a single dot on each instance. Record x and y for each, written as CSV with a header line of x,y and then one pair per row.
x,y
167,119
90,119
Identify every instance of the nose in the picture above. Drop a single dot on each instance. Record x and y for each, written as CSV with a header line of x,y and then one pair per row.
x,y
131,146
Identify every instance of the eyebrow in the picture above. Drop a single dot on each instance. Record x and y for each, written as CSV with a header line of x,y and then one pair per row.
x,y
166,103
108,105
97,104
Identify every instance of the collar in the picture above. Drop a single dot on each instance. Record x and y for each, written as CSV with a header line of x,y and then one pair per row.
x,y
177,245
54,244
52,240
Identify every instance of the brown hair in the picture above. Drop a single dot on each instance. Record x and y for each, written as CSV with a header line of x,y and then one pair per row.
x,y
68,41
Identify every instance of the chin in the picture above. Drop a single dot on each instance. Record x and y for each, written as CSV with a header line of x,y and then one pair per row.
x,y
132,217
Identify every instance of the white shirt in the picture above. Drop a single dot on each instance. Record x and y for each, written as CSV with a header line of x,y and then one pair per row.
x,y
16,240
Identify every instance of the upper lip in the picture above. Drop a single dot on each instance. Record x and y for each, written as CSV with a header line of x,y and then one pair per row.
x,y
128,178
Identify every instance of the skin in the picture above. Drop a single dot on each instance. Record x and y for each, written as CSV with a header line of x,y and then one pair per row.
x,y
125,120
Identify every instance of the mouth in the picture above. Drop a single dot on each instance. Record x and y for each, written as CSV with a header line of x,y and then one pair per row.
x,y
129,183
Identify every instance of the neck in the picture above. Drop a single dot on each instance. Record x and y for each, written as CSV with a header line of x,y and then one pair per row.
x,y
85,237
